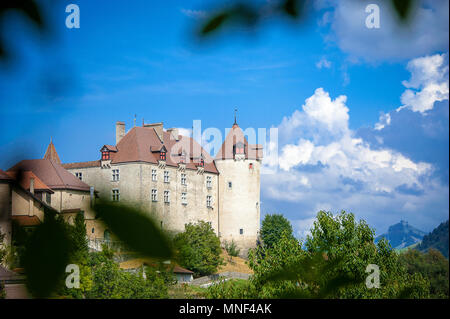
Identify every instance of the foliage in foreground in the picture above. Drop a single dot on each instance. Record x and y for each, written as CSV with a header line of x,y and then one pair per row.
x,y
231,248
330,264
433,266
109,282
272,227
199,249
437,239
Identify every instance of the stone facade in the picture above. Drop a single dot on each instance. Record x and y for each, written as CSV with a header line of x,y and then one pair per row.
x,y
225,192
239,193
135,184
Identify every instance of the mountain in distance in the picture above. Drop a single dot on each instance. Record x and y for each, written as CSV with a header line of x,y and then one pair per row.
x,y
402,235
437,239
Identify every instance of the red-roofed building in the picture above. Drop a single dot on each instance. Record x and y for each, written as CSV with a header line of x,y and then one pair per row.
x,y
173,176
17,203
49,184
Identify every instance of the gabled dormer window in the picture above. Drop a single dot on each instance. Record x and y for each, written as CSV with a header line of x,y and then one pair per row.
x,y
202,161
162,155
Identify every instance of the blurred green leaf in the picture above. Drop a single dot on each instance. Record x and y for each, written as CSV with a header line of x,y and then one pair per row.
x,y
291,8
135,228
241,14
215,22
46,256
402,8
28,8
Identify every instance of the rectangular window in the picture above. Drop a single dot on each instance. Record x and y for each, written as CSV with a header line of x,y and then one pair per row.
x,y
230,185
241,231
208,182
166,176
48,198
154,176
105,156
115,195
115,175
183,179
166,197
162,156
208,201
79,175
184,198
154,195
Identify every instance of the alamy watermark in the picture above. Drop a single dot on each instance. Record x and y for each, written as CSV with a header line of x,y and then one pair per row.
x,y
373,19
73,279
73,19
373,279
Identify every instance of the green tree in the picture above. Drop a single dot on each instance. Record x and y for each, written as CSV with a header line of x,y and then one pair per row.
x,y
232,248
332,264
79,255
265,261
272,227
433,266
109,282
199,248
342,238
231,289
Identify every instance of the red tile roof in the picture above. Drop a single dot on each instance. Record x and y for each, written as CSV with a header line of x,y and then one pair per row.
x,y
236,135
51,153
25,220
52,174
180,270
4,176
25,178
111,148
139,144
81,164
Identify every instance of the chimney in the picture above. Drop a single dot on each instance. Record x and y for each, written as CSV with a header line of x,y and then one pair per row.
x,y
158,128
32,185
120,131
173,133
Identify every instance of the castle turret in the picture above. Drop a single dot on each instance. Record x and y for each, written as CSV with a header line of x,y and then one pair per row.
x,y
239,190
51,153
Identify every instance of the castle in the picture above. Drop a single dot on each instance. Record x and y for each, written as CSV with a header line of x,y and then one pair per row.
x,y
175,178
160,171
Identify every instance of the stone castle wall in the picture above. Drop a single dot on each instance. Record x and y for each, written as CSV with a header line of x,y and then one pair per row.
x,y
135,185
239,205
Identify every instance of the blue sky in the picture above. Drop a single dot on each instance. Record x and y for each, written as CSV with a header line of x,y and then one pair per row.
x,y
141,58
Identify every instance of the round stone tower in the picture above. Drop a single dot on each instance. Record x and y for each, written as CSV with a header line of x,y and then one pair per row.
x,y
239,165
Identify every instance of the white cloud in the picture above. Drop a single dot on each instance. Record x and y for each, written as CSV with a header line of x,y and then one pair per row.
x,y
185,131
323,63
303,226
196,14
321,117
322,161
385,119
425,33
428,83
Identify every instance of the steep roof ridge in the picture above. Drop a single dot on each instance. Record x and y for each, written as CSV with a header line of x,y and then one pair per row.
x,y
57,173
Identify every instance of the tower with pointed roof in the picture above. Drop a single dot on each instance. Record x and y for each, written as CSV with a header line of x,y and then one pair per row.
x,y
239,163
51,153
